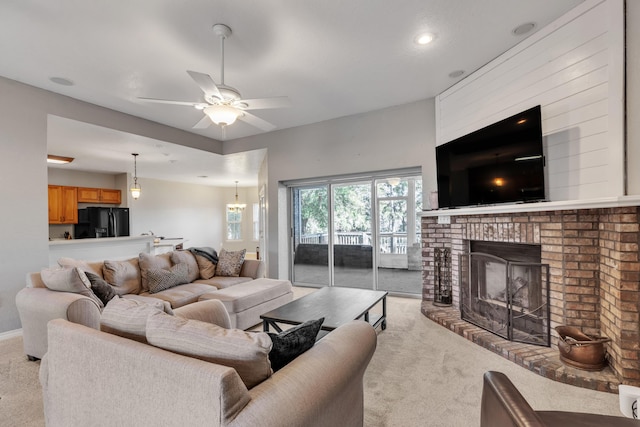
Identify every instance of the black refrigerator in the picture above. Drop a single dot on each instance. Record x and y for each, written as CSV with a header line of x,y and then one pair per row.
x,y
101,222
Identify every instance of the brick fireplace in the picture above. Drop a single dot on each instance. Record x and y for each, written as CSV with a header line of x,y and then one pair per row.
x,y
594,268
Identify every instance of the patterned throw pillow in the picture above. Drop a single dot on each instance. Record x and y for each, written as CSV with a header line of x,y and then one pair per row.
x,y
160,279
230,263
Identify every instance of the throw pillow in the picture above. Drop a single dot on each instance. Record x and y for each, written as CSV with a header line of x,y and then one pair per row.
x,y
187,258
160,279
207,267
289,344
246,352
100,287
71,280
124,276
147,261
128,318
230,263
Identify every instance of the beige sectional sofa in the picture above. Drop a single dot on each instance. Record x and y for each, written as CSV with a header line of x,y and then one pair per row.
x,y
254,295
93,378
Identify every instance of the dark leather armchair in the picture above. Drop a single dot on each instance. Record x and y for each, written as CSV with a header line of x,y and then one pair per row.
x,y
504,406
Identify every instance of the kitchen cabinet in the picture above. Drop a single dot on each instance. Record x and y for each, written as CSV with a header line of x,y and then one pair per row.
x,y
99,195
63,205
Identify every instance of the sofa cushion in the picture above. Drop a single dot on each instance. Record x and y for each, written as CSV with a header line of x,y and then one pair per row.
x,y
147,261
94,267
206,267
230,263
221,282
160,279
289,344
69,279
103,290
128,317
250,294
246,352
181,295
187,258
124,276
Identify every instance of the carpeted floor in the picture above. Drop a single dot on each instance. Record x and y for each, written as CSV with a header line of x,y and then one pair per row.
x,y
420,375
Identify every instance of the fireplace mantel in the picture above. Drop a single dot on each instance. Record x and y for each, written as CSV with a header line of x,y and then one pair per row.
x,y
605,202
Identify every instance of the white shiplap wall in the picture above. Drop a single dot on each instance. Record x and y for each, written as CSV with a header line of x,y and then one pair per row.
x,y
574,69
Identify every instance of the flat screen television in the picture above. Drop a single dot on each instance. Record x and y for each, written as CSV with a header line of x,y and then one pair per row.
x,y
501,163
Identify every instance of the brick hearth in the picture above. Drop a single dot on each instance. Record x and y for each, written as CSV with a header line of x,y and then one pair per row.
x,y
593,257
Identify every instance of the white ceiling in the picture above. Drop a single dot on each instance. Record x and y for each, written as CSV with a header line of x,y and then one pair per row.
x,y
331,58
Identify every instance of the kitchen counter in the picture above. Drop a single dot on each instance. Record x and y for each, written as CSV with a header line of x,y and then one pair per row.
x,y
167,245
112,248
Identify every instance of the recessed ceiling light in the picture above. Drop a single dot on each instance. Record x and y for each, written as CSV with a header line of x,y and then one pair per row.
x,y
61,81
455,74
523,28
425,38
203,176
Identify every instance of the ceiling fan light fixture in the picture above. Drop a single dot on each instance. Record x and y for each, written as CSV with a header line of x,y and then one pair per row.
x,y
223,115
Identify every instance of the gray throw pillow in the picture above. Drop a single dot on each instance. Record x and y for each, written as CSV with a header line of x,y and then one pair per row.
x,y
160,279
289,344
69,280
100,287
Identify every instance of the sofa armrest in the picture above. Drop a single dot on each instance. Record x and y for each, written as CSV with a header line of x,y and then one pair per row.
x,y
252,268
37,306
503,405
210,311
328,378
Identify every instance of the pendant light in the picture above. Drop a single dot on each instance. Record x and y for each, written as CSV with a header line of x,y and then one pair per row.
x,y
135,188
236,207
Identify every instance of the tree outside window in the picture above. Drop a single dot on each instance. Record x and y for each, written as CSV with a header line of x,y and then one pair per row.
x,y
234,224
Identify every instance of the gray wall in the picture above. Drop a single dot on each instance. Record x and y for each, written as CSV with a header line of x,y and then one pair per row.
x,y
23,175
393,138
633,96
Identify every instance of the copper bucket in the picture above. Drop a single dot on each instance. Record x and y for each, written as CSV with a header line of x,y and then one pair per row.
x,y
580,350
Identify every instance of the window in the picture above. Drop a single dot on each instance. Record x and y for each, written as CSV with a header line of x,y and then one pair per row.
x,y
234,223
256,222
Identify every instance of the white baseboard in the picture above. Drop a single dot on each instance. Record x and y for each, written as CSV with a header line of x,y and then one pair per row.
x,y
10,334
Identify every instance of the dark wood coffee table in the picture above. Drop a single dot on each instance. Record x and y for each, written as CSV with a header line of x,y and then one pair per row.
x,y
336,304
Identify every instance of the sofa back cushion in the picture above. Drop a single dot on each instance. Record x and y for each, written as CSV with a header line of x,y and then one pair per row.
x,y
94,267
188,259
124,276
128,317
246,352
147,261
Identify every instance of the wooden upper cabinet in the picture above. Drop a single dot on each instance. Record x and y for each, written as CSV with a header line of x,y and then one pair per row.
x,y
88,195
110,196
63,205
99,195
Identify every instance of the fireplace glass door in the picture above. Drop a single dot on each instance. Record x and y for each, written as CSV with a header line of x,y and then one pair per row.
x,y
508,298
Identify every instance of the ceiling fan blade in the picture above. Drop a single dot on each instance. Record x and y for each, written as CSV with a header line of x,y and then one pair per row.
x,y
264,103
256,121
204,123
169,101
206,83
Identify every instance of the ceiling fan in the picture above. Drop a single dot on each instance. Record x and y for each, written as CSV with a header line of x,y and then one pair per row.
x,y
224,104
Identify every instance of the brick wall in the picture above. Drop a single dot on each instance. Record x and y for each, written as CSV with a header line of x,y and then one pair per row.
x,y
593,262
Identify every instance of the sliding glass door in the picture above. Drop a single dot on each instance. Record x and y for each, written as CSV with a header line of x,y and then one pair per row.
x,y
364,233
352,235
